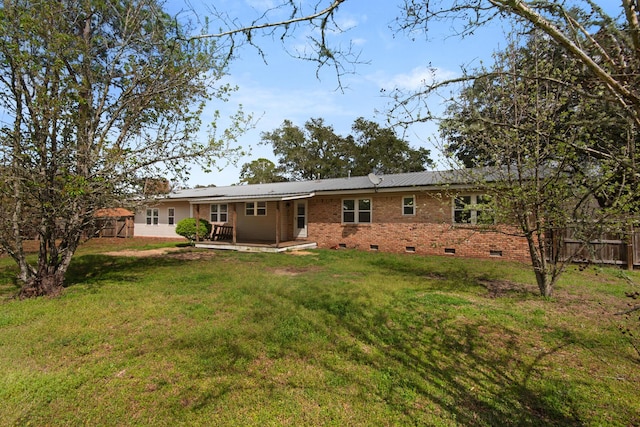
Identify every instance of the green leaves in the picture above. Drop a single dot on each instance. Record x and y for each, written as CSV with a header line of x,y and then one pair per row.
x,y
187,228
316,151
95,95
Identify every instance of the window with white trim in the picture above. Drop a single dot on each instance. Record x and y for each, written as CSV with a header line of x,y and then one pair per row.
x,y
219,212
171,216
409,205
473,209
356,211
255,208
153,216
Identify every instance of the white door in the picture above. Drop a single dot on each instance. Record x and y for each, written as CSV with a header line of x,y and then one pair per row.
x,y
300,219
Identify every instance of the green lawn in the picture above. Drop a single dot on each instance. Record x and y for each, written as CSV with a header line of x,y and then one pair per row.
x,y
341,338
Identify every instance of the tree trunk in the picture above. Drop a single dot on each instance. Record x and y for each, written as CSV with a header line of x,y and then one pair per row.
x,y
48,278
42,284
545,284
537,251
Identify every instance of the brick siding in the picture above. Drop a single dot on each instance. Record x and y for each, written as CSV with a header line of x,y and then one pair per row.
x,y
429,232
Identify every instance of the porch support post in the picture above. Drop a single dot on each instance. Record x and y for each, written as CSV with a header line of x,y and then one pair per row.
x,y
278,223
197,221
234,222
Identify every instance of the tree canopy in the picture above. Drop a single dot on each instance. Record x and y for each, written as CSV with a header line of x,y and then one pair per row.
x,y
96,96
603,40
260,171
520,120
316,151
557,117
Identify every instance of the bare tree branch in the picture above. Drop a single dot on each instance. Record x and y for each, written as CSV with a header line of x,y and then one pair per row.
x,y
341,58
622,93
326,13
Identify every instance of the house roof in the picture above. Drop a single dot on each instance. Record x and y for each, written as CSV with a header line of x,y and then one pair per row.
x,y
304,189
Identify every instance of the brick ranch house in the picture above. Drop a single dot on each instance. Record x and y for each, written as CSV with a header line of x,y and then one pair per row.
x,y
426,213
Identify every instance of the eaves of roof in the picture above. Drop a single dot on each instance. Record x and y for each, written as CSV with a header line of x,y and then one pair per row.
x,y
415,181
256,197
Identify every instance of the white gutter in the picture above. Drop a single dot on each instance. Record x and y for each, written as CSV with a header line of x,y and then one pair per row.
x,y
257,198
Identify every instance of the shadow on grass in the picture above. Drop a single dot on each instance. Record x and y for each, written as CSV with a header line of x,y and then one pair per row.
x,y
424,351
437,359
429,351
417,355
450,275
96,269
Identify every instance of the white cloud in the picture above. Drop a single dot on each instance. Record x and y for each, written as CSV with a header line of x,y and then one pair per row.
x,y
346,23
297,105
261,4
413,80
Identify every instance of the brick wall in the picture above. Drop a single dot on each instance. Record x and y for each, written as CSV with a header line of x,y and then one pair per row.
x,y
429,232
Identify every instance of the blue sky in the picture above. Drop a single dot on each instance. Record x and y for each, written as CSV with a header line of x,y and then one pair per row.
x,y
286,88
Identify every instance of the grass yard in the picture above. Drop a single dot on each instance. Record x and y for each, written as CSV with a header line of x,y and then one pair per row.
x,y
338,338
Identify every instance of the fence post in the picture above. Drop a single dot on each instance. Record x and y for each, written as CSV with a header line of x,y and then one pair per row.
x,y
630,251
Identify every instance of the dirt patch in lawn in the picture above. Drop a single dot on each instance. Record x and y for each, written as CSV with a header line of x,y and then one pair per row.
x,y
301,253
500,288
176,253
293,271
192,255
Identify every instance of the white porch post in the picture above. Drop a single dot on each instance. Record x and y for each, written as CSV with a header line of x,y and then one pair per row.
x,y
197,211
234,222
278,205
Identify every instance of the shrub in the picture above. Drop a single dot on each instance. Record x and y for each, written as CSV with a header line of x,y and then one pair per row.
x,y
187,228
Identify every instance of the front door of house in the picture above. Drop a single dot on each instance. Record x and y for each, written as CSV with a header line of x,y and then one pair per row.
x,y
300,219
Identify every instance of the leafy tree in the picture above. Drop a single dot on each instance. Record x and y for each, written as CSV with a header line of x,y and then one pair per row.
x,y
260,171
318,152
96,95
592,121
604,43
379,149
187,228
520,118
313,152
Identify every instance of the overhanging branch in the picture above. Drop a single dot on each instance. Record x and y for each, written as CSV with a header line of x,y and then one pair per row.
x,y
244,30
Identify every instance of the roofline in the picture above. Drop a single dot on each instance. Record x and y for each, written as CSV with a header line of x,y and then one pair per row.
x,y
256,198
442,181
308,195
404,189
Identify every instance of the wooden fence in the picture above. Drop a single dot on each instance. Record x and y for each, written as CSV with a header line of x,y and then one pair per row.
x,y
609,248
115,227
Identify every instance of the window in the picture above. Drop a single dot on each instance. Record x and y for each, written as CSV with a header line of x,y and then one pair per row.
x,y
473,209
462,215
356,211
153,215
219,212
409,205
171,216
255,208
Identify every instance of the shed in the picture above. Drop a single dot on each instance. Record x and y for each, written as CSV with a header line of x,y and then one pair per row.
x,y
114,222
